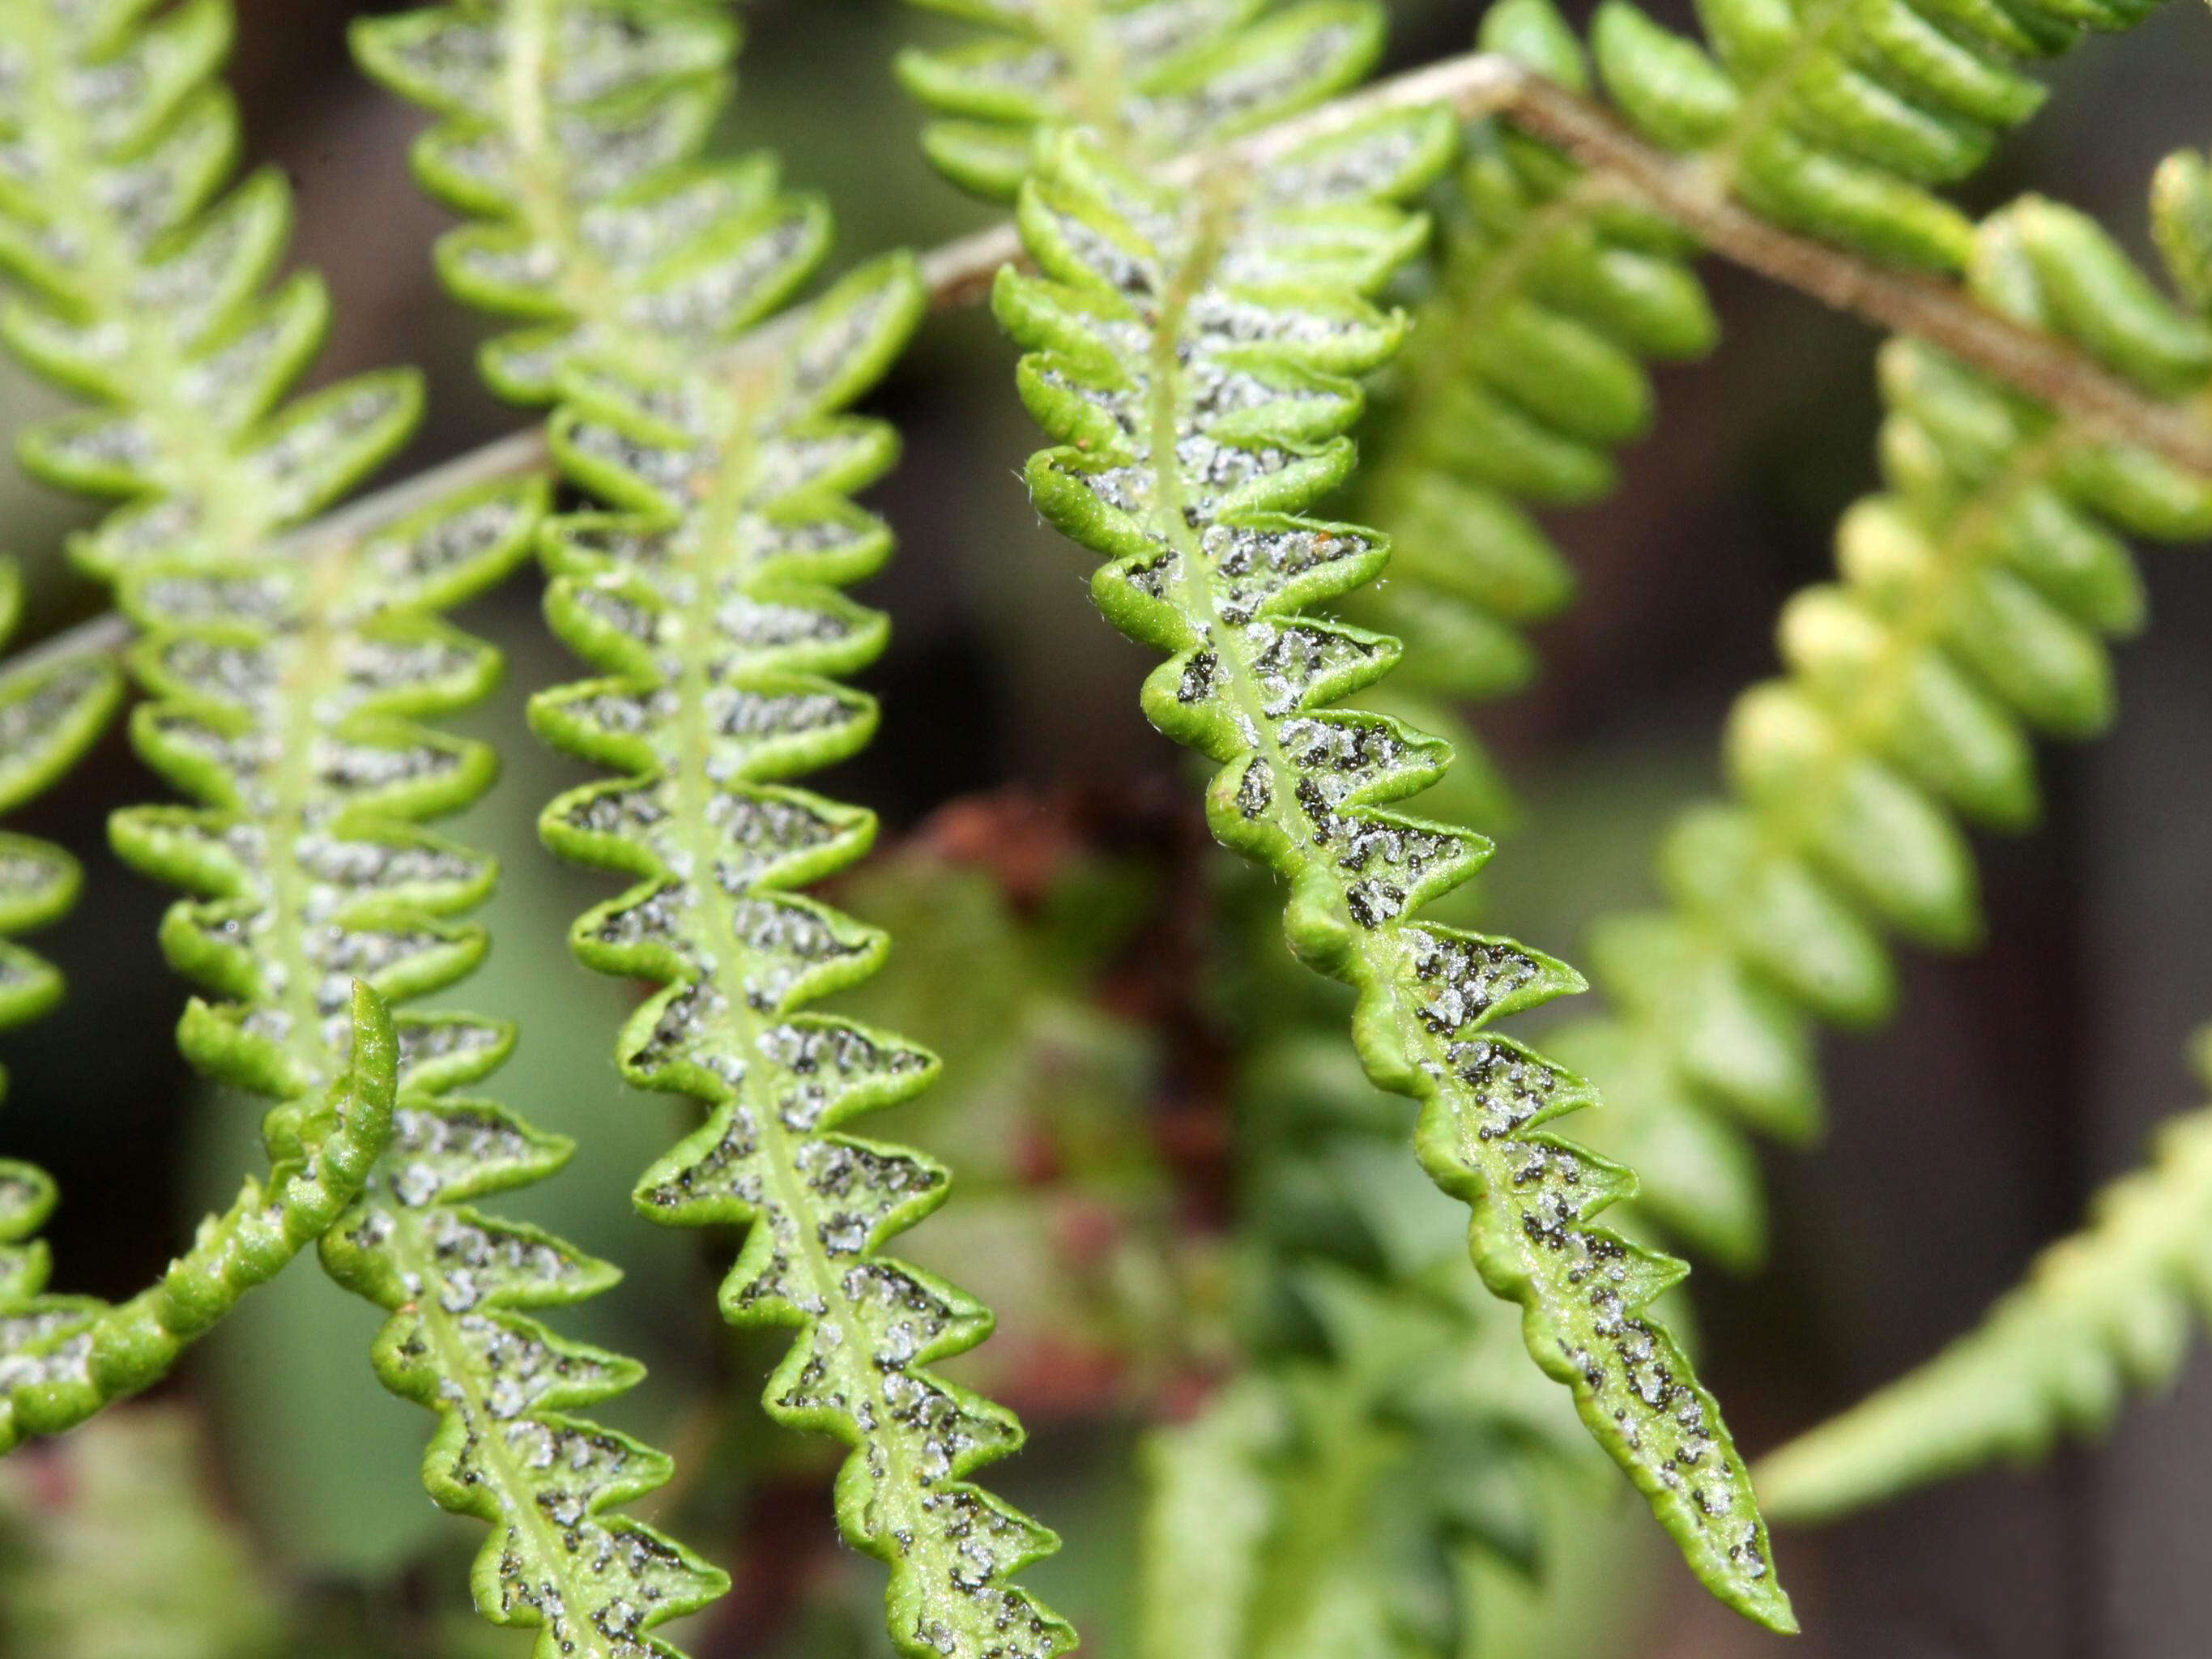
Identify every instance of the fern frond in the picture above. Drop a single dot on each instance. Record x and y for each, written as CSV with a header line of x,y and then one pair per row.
x,y
1976,592
64,1358
290,697
1314,1508
1552,292
709,594
1188,348
144,292
1153,78
112,142
289,709
1297,1518
288,691
2108,1309
572,129
1554,289
1836,116
2101,1314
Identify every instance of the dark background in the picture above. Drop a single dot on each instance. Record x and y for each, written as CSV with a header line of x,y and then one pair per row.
x,y
2012,1083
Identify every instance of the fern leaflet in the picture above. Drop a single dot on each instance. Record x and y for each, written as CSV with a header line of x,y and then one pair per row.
x,y
573,127
287,690
710,594
1974,593
1153,78
1835,117
1188,347
2103,1312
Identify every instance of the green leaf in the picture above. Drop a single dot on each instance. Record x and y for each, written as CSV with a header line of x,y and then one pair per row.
x,y
1666,85
711,599
2181,218
2100,1314
50,714
1192,501
573,129
1835,119
2097,296
1155,78
1973,596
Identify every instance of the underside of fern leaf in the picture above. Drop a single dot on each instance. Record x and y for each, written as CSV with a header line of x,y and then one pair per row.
x,y
1189,348
288,680
2102,1313
572,128
710,594
1155,78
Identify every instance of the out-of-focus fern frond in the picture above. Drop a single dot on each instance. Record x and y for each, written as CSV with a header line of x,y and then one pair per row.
x,y
119,1543
50,714
48,717
1551,291
2102,1313
1554,289
1188,349
573,130
141,286
288,688
1836,117
1317,1505
1152,78
708,591
1976,592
